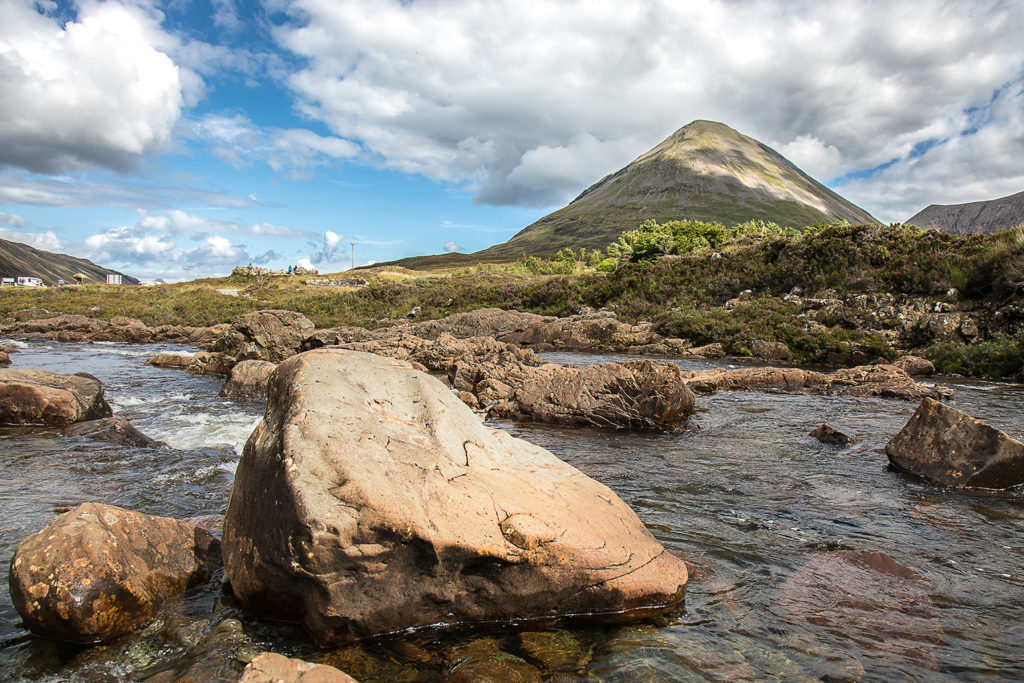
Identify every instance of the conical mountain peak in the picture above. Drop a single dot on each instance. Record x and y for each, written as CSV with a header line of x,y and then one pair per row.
x,y
704,171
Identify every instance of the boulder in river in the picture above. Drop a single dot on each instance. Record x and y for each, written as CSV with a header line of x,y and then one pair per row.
x,y
826,433
98,571
950,448
274,668
113,429
915,366
50,398
176,361
270,335
248,380
371,500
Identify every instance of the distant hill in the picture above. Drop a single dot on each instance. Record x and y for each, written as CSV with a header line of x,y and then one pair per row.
x,y
21,260
984,218
704,171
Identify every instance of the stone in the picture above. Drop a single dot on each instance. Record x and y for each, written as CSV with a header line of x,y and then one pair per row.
x,y
867,599
248,380
714,350
5,358
770,351
274,668
826,433
950,448
50,398
371,500
886,381
30,313
491,390
116,430
211,363
483,661
177,361
217,656
915,366
98,571
270,335
631,394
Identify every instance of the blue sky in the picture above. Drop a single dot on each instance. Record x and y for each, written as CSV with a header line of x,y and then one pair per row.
x,y
177,139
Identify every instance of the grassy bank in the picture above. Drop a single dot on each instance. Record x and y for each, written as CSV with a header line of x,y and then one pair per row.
x,y
683,284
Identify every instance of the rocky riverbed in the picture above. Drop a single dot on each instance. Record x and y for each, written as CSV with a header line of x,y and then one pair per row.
x,y
775,526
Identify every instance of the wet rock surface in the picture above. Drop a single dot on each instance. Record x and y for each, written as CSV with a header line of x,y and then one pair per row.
x,y
370,500
274,668
248,380
175,361
950,448
74,327
99,571
50,398
826,433
116,430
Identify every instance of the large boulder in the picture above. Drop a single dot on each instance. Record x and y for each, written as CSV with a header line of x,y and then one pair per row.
x,y
270,335
176,361
951,448
248,380
371,500
50,398
98,571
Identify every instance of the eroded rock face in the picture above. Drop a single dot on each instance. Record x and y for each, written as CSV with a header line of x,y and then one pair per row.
x,y
98,571
950,448
50,398
248,380
370,500
915,366
270,335
113,429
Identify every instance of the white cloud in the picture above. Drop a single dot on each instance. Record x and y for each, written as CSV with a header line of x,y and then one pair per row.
x,y
179,222
13,220
239,142
46,241
527,104
451,245
97,91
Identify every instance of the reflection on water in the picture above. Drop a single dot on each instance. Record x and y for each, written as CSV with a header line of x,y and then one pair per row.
x,y
775,525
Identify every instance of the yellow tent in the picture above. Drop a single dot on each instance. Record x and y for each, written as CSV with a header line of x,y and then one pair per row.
x,y
79,277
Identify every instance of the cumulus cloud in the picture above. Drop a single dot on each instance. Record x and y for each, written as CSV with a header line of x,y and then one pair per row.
x,y
451,245
46,241
327,251
13,220
179,222
96,91
528,105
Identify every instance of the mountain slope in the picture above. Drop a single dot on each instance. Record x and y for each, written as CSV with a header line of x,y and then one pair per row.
x,y
705,171
17,260
976,217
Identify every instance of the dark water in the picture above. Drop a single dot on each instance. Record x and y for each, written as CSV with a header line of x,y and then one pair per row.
x,y
762,512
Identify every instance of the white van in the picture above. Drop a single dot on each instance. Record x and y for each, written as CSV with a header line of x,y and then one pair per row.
x,y
29,282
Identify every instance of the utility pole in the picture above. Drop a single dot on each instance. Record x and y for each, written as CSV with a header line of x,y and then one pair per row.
x,y
353,255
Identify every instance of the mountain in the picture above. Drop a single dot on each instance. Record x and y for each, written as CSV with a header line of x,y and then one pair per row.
x,y
705,171
976,217
18,260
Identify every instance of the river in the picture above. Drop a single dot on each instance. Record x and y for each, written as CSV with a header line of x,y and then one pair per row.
x,y
764,514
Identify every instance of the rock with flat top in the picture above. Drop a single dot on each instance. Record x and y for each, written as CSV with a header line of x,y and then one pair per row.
x,y
274,668
116,430
176,361
915,366
950,448
99,571
371,500
50,398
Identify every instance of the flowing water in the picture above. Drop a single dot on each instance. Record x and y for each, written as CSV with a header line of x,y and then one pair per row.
x,y
774,525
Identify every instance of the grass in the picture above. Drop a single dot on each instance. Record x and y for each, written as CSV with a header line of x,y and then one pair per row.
x,y
684,295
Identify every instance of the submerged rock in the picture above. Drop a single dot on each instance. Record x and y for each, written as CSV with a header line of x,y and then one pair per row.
x,y
274,668
50,398
248,380
371,500
98,571
826,433
113,429
950,448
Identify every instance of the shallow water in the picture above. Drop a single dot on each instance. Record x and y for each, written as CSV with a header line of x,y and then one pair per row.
x,y
760,510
